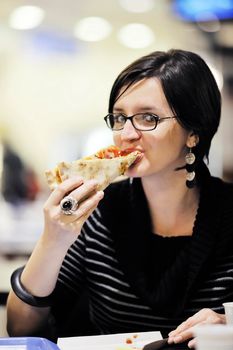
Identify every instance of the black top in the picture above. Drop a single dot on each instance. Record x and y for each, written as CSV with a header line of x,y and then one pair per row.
x,y
137,281
162,253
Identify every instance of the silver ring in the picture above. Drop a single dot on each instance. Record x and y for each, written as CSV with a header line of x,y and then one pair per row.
x,y
68,205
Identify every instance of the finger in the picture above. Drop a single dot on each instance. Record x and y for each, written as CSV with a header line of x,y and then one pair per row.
x,y
84,208
89,204
184,325
191,321
85,217
86,190
78,223
185,330
188,333
183,336
79,191
61,191
211,317
192,343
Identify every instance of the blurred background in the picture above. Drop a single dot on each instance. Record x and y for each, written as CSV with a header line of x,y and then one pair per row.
x,y
58,60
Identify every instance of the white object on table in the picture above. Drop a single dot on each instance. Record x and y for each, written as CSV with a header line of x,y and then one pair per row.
x,y
228,312
214,337
109,342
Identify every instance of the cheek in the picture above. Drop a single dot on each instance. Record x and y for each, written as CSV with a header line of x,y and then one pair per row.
x,y
116,138
167,142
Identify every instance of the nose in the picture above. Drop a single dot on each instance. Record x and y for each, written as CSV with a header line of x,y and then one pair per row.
x,y
129,132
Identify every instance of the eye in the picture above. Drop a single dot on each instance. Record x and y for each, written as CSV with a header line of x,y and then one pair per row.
x,y
119,118
149,118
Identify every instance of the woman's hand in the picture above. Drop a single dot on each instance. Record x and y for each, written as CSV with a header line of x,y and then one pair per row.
x,y
66,228
185,330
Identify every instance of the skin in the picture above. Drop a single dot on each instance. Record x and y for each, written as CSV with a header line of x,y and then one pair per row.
x,y
164,147
172,206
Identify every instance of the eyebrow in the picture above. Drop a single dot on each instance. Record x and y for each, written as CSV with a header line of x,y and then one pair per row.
x,y
142,109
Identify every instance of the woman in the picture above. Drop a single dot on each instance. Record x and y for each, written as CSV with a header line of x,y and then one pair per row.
x,y
155,250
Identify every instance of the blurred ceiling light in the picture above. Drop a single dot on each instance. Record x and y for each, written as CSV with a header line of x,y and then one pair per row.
x,y
92,29
26,17
136,35
209,27
137,5
208,22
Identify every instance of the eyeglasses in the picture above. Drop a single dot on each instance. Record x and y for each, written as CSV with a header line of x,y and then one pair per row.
x,y
140,121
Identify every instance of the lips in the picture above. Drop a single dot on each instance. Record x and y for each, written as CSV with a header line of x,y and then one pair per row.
x,y
139,157
130,150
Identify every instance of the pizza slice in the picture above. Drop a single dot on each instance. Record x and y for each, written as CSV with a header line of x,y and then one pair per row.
x,y
104,166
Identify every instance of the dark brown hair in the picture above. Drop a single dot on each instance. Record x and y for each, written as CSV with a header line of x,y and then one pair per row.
x,y
189,86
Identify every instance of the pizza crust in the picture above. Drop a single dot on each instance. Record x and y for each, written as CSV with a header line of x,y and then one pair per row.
x,y
104,171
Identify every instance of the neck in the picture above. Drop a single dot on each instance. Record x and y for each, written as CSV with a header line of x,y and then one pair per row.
x,y
172,205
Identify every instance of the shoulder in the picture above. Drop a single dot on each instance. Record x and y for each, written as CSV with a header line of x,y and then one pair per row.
x,y
222,188
220,197
223,206
216,201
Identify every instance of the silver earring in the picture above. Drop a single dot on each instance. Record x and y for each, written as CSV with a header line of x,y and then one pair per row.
x,y
190,157
190,168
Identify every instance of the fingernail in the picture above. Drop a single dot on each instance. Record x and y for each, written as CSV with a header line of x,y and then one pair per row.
x,y
192,344
170,340
100,194
177,339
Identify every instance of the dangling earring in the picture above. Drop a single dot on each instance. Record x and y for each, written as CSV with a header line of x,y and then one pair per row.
x,y
190,167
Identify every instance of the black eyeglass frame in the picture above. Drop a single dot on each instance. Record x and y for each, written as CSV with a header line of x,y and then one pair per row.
x,y
156,118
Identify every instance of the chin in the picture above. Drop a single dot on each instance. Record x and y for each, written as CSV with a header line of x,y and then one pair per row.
x,y
134,172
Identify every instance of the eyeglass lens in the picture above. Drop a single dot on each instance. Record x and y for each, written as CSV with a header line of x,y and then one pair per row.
x,y
141,121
